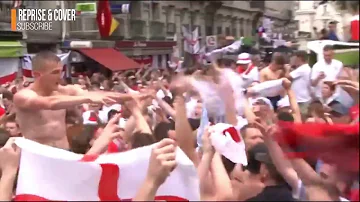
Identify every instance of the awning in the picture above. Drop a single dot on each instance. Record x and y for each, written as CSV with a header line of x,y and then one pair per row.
x,y
11,49
110,58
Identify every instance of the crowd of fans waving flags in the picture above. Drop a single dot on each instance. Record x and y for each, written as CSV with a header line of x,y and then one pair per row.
x,y
217,133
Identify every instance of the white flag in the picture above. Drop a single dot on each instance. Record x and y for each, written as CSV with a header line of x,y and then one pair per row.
x,y
27,65
227,141
196,42
191,40
48,173
187,40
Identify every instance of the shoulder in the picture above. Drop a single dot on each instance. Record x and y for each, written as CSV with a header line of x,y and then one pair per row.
x,y
317,65
70,89
23,96
337,63
25,93
264,70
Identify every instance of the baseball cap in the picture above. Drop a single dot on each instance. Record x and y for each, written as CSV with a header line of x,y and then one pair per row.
x,y
243,58
259,100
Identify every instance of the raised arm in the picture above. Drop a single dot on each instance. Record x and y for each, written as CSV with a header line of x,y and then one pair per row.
x,y
282,164
9,164
184,135
293,103
27,99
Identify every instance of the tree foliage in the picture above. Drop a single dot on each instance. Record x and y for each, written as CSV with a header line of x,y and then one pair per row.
x,y
347,6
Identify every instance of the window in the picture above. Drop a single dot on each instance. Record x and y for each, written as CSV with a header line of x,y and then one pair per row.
x,y
135,10
241,27
77,24
227,31
32,4
209,30
219,30
89,23
155,9
170,14
234,32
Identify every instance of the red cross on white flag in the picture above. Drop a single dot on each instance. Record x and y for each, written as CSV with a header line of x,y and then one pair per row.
x,y
48,173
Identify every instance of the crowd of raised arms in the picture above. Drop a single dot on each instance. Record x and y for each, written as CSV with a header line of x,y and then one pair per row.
x,y
95,115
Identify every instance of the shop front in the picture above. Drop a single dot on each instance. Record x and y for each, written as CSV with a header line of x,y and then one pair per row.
x,y
97,56
152,53
12,49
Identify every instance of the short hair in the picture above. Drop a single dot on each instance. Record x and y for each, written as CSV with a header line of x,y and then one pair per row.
x,y
302,55
139,139
278,58
95,85
332,23
328,48
44,57
285,116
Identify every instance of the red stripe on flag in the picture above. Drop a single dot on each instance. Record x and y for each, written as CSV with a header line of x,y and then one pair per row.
x,y
29,197
8,78
108,184
27,73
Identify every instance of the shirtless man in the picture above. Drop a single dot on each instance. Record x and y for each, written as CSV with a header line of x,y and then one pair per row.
x,y
40,108
274,71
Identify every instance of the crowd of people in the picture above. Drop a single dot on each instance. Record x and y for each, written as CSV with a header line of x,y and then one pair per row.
x,y
93,115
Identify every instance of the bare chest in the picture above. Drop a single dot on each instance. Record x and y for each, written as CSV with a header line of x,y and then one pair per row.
x,y
273,75
41,116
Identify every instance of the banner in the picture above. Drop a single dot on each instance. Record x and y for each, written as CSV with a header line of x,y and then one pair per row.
x,y
106,23
48,173
8,69
27,65
191,40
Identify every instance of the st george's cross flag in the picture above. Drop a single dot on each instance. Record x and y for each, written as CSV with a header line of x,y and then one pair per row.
x,y
27,65
48,173
227,141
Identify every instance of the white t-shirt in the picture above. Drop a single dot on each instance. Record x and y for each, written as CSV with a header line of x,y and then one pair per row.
x,y
252,76
331,72
301,83
160,94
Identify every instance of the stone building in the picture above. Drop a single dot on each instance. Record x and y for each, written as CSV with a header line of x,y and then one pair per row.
x,y
151,25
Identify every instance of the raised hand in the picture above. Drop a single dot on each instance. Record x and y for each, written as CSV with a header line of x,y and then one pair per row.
x,y
206,143
162,162
112,129
9,157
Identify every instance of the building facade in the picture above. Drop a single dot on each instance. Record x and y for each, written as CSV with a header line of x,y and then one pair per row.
x,y
158,21
313,17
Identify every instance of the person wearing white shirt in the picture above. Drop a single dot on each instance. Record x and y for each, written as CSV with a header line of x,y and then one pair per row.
x,y
326,69
300,78
329,69
251,74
